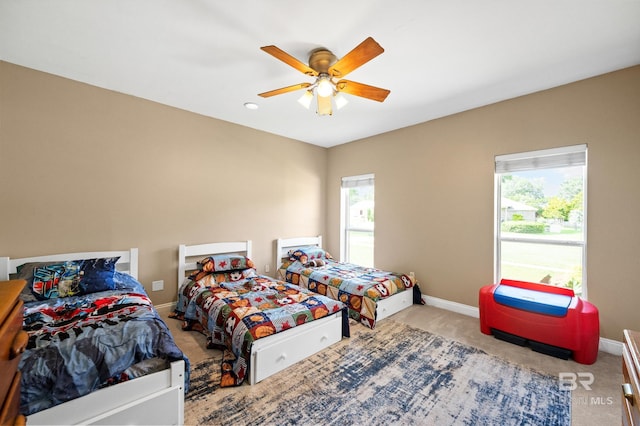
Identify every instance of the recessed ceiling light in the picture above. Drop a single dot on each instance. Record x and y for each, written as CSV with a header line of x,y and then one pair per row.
x,y
250,105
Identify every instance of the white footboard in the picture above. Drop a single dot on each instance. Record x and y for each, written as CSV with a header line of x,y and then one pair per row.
x,y
153,399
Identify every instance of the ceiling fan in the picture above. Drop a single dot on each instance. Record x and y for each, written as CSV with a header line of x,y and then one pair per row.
x,y
329,72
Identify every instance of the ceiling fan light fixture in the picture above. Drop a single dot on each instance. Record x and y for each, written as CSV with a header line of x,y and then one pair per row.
x,y
306,98
341,100
329,73
324,87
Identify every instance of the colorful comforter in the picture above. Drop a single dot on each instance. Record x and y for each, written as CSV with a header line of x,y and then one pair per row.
x,y
233,314
359,287
83,343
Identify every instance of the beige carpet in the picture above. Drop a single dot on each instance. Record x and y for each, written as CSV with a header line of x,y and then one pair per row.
x,y
598,406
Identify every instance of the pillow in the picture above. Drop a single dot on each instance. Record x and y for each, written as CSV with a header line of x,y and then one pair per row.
x,y
236,275
49,280
315,263
305,254
124,281
225,262
227,276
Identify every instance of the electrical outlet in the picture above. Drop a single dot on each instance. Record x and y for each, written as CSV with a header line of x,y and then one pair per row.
x,y
157,285
267,268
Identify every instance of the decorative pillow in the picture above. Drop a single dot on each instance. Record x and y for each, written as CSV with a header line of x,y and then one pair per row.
x,y
220,277
305,254
49,280
315,263
225,262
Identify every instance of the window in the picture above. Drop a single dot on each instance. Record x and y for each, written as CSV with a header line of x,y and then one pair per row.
x,y
357,220
541,217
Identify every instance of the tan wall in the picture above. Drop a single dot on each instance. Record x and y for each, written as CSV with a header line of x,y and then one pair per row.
x,y
83,168
434,190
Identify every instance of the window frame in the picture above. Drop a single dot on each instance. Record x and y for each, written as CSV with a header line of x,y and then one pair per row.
x,y
347,183
575,155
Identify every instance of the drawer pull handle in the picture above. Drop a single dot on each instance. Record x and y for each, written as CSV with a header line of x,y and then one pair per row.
x,y
283,356
627,391
324,337
19,344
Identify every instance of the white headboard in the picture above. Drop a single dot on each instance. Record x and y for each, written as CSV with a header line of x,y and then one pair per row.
x,y
186,254
283,245
127,263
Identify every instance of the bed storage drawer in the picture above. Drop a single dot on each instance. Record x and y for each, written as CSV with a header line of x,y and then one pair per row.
x,y
396,303
300,343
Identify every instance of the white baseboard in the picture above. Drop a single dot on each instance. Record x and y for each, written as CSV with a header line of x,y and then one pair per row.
x,y
605,345
451,306
610,346
165,307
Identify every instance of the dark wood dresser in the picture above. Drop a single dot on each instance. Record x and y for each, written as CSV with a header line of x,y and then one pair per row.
x,y
13,341
631,380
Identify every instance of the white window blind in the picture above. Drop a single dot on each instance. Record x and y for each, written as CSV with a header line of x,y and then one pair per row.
x,y
357,181
567,156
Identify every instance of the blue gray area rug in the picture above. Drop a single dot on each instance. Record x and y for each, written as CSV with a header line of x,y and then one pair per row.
x,y
394,374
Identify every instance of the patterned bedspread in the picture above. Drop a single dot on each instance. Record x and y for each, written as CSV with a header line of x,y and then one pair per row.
x,y
80,344
234,314
358,287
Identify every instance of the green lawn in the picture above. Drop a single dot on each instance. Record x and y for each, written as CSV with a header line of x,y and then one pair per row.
x,y
361,248
519,260
561,263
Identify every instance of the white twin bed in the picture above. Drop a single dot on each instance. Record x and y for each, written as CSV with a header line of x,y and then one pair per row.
x,y
278,351
384,306
156,398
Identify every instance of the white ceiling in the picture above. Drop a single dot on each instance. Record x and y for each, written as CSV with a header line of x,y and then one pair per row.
x,y
441,57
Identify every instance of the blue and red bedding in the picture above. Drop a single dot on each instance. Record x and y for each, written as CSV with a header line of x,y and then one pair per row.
x,y
78,344
236,308
358,287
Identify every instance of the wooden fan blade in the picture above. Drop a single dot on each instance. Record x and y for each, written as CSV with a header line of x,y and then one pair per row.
x,y
284,90
362,90
289,60
361,54
324,105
